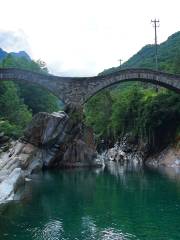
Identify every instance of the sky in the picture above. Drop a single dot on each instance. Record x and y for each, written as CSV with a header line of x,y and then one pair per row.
x,y
84,37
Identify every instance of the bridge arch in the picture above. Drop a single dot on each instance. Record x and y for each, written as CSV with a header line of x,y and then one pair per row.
x,y
77,90
166,80
54,84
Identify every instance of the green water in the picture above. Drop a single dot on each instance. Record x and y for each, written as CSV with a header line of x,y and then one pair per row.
x,y
93,204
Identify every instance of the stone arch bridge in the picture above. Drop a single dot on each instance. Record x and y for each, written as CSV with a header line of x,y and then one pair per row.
x,y
77,90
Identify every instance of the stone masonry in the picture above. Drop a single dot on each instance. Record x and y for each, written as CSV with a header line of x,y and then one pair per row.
x,y
77,90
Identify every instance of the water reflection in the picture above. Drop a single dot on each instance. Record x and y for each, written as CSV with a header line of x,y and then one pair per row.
x,y
117,203
119,170
173,173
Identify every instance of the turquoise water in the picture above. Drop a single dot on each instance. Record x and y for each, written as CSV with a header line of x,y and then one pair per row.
x,y
112,204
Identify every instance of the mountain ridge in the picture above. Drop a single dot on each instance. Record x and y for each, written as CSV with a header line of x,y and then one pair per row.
x,y
20,54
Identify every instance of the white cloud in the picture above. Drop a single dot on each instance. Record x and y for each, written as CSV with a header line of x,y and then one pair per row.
x,y
82,37
14,41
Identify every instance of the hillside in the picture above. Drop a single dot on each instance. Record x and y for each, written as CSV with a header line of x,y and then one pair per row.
x,y
168,53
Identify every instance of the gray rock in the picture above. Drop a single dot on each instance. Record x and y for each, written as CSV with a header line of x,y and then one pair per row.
x,y
45,128
62,140
50,140
9,186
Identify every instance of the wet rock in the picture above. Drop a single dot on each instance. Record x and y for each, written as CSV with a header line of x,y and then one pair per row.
x,y
125,152
78,154
50,140
8,187
169,157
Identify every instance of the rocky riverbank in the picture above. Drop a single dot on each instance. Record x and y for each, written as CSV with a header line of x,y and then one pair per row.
x,y
129,152
126,151
169,158
50,141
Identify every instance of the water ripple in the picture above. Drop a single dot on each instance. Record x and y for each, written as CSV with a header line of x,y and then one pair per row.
x,y
52,230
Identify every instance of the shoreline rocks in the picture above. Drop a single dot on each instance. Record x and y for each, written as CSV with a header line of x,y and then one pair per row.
x,y
54,140
128,152
9,186
169,158
19,162
125,152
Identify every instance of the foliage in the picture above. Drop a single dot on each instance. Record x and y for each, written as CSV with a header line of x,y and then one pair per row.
x,y
12,108
11,130
149,116
98,111
36,98
159,118
18,101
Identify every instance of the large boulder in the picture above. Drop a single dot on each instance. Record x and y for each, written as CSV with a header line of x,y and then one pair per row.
x,y
45,128
63,140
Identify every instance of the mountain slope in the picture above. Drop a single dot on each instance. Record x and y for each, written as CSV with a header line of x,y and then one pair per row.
x,y
168,52
3,54
20,54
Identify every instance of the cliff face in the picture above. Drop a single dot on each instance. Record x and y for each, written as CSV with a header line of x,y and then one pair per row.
x,y
50,141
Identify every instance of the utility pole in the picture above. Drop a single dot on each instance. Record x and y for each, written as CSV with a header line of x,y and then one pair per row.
x,y
120,62
156,53
155,32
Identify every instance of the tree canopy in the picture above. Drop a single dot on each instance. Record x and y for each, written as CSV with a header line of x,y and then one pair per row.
x,y
18,102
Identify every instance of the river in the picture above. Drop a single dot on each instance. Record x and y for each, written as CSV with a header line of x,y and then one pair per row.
x,y
116,203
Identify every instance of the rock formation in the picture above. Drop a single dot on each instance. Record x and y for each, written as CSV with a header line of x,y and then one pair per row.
x,y
50,141
169,158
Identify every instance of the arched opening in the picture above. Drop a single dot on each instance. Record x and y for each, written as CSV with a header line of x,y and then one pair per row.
x,y
130,108
146,76
19,101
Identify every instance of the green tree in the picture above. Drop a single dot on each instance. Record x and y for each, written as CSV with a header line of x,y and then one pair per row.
x,y
12,108
36,98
